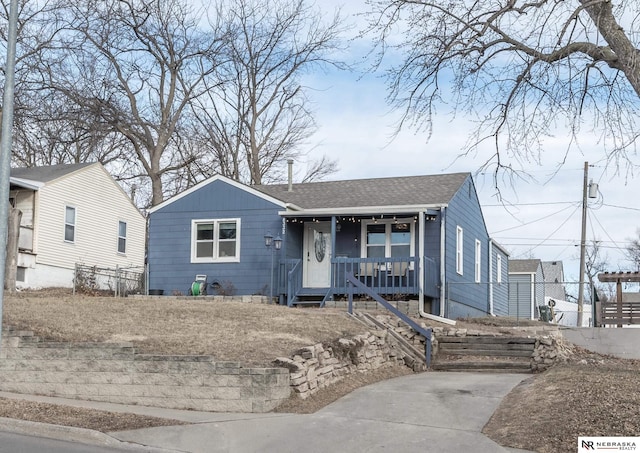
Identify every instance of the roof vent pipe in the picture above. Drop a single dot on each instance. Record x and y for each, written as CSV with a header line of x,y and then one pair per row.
x,y
290,163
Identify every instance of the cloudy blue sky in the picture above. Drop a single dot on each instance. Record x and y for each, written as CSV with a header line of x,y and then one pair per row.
x,y
538,218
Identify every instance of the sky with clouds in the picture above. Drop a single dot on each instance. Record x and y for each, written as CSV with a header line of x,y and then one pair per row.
x,y
538,217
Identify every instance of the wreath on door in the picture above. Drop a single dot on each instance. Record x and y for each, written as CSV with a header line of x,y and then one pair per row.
x,y
320,245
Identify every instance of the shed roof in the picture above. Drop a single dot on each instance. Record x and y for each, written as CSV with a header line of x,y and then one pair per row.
x,y
524,266
393,191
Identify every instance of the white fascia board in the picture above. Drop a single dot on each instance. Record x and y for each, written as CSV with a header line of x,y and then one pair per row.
x,y
499,247
224,179
26,183
360,210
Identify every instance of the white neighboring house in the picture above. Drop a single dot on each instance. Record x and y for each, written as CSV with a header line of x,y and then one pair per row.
x,y
74,213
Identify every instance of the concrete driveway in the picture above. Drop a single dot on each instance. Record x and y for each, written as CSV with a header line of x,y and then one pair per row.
x,y
427,412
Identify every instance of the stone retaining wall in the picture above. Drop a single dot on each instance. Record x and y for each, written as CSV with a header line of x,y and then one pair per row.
x,y
315,367
116,374
550,347
408,307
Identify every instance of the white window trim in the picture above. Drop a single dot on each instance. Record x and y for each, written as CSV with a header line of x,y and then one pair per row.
x,y
498,269
459,250
478,263
74,224
214,259
126,227
387,246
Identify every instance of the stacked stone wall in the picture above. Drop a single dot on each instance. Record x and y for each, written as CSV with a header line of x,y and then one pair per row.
x,y
116,374
315,367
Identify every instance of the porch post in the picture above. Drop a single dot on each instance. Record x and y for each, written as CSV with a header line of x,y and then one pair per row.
x,y
421,260
333,253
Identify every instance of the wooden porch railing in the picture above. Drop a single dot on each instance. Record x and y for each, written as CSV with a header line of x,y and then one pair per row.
x,y
290,279
388,276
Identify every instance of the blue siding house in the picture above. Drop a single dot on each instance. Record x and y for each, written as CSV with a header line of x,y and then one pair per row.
x,y
420,237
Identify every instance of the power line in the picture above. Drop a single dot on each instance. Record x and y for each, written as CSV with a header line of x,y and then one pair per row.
x,y
503,205
553,232
620,207
538,220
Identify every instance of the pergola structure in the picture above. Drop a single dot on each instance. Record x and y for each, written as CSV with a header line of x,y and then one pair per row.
x,y
624,311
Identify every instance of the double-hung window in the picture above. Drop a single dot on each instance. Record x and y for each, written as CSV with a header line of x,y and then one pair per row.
x,y
70,224
122,237
388,239
215,240
478,263
459,250
498,269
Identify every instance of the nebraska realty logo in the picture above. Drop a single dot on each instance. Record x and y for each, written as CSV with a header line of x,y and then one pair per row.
x,y
590,444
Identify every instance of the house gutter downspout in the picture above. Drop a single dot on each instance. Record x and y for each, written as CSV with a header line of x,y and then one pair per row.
x,y
491,277
422,261
443,259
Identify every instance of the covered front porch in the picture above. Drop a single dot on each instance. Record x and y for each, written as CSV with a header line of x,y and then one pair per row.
x,y
388,253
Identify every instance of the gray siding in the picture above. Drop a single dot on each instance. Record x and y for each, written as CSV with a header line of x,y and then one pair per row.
x,y
520,296
464,211
170,267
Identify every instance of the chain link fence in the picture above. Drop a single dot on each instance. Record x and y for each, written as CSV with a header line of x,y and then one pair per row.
x,y
548,302
120,281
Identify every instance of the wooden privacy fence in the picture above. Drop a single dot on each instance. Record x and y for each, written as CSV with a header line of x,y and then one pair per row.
x,y
620,313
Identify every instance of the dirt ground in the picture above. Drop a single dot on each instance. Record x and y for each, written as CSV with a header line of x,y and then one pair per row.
x,y
588,395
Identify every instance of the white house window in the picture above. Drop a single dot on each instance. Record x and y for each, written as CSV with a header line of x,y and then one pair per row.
x,y
478,265
215,240
388,239
70,224
122,237
499,269
459,249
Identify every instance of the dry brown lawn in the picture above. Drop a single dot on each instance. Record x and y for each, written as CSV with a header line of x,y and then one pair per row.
x,y
229,331
589,395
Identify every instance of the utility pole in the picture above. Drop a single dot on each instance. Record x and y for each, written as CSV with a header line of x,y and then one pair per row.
x,y
5,141
583,242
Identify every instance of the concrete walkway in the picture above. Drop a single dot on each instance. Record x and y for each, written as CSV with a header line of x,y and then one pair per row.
x,y
427,412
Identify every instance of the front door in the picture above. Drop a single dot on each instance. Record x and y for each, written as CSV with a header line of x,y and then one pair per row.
x,y
317,255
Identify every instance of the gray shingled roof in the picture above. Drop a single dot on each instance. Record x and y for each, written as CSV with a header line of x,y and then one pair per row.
x,y
48,173
553,271
401,191
530,266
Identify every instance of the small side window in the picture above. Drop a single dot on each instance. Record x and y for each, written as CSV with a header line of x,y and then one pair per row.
x,y
122,237
70,224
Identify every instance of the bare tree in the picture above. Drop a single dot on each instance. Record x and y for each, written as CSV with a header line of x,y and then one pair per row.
x,y
51,131
136,65
595,263
521,68
633,251
39,22
256,114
